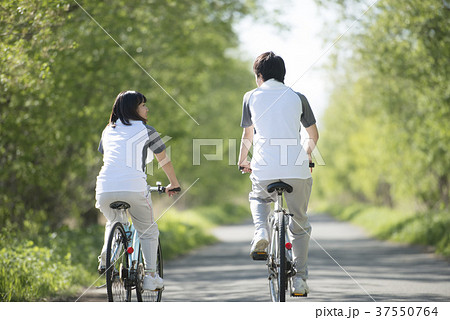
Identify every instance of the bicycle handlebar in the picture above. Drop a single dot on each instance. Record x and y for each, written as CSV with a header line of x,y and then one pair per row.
x,y
311,165
159,188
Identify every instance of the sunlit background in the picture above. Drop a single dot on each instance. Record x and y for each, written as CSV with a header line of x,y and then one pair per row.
x,y
376,74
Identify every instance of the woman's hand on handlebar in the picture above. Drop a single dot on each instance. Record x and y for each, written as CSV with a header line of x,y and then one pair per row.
x,y
172,189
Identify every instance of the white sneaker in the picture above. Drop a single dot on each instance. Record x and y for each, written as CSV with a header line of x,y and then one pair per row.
x,y
153,283
102,263
260,241
300,286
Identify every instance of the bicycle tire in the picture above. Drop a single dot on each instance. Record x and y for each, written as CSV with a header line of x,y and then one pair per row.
x,y
282,252
149,296
277,260
272,263
117,265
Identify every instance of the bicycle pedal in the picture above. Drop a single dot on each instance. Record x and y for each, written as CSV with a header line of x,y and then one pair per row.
x,y
101,271
300,295
259,255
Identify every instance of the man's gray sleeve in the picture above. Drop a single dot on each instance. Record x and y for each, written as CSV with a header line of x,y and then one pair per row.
x,y
307,119
246,120
100,147
155,142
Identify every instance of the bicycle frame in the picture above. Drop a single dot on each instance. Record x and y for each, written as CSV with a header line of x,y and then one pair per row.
x,y
132,235
278,209
277,286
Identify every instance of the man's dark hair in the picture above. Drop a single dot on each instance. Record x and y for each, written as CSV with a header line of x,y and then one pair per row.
x,y
125,108
269,66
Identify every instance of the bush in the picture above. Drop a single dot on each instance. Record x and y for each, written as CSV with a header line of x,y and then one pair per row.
x,y
52,264
38,267
182,231
179,237
28,271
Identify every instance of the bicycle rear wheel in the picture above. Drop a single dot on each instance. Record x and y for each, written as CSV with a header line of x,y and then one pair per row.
x,y
282,252
146,295
277,261
117,265
272,262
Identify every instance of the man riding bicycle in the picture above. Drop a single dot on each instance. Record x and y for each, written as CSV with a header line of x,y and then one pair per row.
x,y
271,117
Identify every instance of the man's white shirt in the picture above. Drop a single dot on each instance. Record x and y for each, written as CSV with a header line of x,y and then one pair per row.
x,y
277,113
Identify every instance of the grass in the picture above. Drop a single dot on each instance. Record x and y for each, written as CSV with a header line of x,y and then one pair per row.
x,y
181,231
56,265
421,228
51,264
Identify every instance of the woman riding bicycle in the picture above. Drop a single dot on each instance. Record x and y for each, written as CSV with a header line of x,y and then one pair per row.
x,y
127,145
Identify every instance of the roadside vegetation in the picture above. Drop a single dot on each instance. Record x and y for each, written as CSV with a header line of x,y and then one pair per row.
x,y
427,229
385,137
61,263
60,73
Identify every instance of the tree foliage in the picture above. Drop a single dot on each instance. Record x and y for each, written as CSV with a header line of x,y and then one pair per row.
x,y
60,74
387,139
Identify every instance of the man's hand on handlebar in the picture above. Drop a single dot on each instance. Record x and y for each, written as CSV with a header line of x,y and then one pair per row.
x,y
244,167
311,163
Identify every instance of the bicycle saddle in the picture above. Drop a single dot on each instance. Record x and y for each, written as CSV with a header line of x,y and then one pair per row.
x,y
119,205
280,185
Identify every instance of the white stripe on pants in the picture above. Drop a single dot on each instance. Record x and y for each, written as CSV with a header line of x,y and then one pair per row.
x,y
299,227
142,216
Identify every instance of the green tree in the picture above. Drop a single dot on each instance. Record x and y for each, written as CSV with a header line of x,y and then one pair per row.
x,y
392,109
61,72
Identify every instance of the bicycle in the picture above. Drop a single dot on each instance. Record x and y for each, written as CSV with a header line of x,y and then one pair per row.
x,y
125,270
279,253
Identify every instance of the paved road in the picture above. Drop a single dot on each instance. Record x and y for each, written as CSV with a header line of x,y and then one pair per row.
x,y
345,265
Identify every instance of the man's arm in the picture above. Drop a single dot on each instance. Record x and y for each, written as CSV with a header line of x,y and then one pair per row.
x,y
246,143
167,166
313,138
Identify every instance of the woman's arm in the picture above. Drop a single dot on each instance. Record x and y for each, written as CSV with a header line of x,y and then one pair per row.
x,y
167,166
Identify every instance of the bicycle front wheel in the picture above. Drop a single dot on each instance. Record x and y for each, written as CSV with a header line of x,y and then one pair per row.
x,y
146,295
117,265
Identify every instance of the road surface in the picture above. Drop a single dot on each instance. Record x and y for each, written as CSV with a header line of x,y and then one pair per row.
x,y
344,265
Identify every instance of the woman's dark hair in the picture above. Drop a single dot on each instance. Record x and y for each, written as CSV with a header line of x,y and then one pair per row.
x,y
269,66
125,108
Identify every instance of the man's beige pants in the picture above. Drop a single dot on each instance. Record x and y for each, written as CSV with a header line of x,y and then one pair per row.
x,y
297,203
